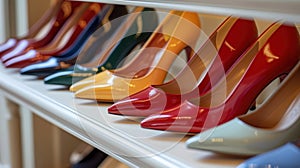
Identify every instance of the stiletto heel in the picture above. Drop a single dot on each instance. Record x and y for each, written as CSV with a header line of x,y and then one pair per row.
x,y
275,123
234,37
65,12
134,29
160,51
278,46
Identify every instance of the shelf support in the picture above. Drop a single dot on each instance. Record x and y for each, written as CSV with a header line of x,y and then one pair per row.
x,y
27,137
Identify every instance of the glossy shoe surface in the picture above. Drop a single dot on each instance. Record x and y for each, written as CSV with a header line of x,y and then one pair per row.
x,y
79,33
285,156
111,56
275,123
150,64
237,91
67,57
57,23
234,37
35,29
10,43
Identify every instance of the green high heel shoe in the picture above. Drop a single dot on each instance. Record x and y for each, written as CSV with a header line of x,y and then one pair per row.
x,y
135,29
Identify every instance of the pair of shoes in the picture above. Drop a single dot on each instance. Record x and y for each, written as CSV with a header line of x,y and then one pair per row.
x,y
285,156
105,49
234,36
178,31
68,41
69,56
277,47
57,22
34,30
275,123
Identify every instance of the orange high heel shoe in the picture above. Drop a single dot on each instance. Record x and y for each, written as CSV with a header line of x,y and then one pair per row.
x,y
178,31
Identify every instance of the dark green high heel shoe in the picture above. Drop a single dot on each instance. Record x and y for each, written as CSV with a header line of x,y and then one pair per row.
x,y
140,25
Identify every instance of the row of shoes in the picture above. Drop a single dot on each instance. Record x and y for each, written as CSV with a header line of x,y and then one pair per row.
x,y
84,46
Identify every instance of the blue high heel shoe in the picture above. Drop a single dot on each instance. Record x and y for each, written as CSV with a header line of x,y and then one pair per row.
x,y
285,156
134,30
69,56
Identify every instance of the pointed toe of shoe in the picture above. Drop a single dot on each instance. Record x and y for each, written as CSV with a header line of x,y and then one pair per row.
x,y
130,108
141,104
86,93
166,122
100,78
133,105
113,109
157,122
182,118
101,93
60,78
82,84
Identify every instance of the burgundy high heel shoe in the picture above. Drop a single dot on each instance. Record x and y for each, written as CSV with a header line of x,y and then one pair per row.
x,y
274,54
40,25
67,9
76,32
237,34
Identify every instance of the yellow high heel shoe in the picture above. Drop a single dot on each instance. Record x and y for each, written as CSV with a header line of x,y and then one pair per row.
x,y
180,30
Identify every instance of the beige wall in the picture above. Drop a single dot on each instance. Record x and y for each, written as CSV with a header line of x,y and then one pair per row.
x,y
36,8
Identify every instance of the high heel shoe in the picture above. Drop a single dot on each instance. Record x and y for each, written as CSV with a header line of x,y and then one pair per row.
x,y
234,37
66,11
285,156
34,30
83,22
160,51
125,46
275,123
278,46
68,57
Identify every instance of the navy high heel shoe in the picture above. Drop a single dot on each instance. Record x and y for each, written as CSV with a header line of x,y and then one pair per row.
x,y
140,24
69,56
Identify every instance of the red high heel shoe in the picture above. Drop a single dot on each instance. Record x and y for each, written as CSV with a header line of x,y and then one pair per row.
x,y
274,54
79,28
58,21
41,24
237,34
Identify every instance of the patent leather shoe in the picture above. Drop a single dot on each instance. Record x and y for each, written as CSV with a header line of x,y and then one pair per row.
x,y
69,56
234,37
151,63
57,23
133,29
85,26
285,156
277,47
275,123
34,31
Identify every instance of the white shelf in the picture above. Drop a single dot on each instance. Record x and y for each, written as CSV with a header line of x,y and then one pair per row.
x,y
287,10
120,137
